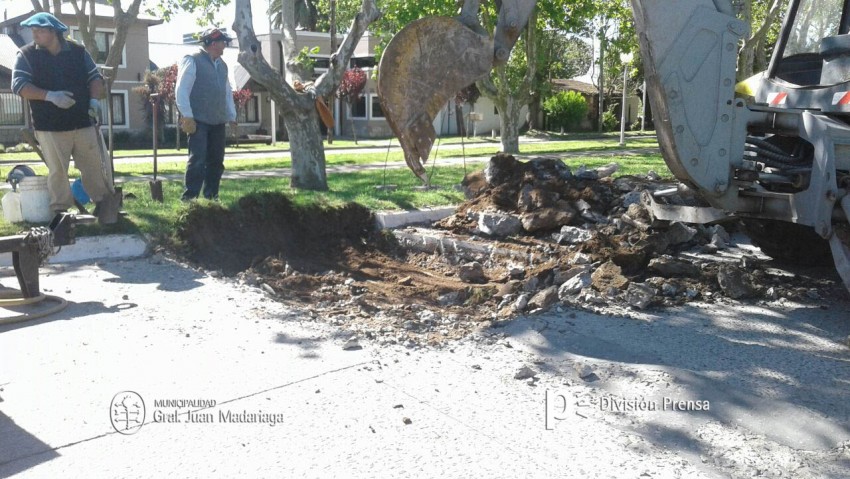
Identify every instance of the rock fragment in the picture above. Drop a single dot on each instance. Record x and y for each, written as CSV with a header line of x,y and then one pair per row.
x,y
574,285
524,373
609,275
472,273
573,235
498,225
735,282
584,371
545,298
640,295
670,267
546,219
679,233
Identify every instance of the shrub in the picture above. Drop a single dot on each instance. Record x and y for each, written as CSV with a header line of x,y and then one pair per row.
x,y
610,122
566,109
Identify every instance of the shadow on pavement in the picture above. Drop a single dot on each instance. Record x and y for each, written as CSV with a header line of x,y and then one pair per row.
x,y
20,450
782,372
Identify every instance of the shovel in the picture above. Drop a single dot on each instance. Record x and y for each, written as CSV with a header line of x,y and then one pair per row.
x,y
108,209
156,184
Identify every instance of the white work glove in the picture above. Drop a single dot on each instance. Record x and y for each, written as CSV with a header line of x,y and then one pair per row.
x,y
94,109
189,125
62,99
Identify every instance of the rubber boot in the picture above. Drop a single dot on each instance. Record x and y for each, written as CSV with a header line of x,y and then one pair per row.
x,y
108,208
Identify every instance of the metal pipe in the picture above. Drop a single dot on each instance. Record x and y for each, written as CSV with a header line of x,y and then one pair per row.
x,y
775,178
845,205
784,34
109,119
665,192
643,106
155,109
625,58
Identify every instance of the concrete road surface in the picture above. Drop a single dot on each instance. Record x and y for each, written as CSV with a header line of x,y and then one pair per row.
x,y
158,370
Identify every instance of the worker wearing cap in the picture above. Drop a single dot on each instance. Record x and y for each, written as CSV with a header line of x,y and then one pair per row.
x,y
204,98
62,84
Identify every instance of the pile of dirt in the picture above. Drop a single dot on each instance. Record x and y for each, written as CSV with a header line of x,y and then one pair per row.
x,y
335,261
268,224
531,236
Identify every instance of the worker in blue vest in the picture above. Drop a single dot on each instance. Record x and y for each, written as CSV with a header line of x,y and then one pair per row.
x,y
63,85
204,98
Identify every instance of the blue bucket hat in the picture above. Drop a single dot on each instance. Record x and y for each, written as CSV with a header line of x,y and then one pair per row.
x,y
44,20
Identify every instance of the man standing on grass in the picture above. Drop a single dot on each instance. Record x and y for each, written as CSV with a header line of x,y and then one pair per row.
x,y
62,84
205,100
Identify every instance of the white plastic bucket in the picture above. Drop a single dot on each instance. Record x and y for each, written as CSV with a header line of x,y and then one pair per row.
x,y
35,199
12,207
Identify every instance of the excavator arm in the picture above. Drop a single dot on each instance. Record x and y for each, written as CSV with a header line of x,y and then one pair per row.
x,y
778,159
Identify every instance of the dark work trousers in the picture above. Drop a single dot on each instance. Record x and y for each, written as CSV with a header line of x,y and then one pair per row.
x,y
206,161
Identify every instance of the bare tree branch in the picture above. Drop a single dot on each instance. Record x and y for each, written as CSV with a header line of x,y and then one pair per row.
x,y
328,82
251,57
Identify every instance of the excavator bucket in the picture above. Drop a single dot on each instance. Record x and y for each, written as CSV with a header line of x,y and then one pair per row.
x,y
424,66
689,51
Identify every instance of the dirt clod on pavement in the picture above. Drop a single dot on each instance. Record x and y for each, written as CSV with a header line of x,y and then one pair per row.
x,y
531,235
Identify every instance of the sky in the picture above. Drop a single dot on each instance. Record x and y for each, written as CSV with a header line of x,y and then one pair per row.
x,y
172,32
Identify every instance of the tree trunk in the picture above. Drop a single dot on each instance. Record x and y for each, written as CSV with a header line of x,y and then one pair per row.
x,y
749,56
509,123
305,145
534,113
510,95
85,13
461,128
300,117
602,41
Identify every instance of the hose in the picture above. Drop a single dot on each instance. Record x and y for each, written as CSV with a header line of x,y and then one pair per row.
x,y
7,300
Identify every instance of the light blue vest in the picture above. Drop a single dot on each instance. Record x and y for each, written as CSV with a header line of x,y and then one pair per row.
x,y
207,97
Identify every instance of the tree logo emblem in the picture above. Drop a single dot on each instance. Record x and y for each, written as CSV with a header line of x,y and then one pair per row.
x,y
127,412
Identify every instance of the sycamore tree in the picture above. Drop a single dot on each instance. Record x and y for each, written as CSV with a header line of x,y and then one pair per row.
x,y
764,20
294,92
514,86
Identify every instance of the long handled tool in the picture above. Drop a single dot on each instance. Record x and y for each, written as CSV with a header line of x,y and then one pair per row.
x,y
156,184
108,208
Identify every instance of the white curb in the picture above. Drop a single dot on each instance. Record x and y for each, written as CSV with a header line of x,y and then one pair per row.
x,y
91,248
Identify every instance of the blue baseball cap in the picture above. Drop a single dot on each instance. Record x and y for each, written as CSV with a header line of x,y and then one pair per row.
x,y
44,20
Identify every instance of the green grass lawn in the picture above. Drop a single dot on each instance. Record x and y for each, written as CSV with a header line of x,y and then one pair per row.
x,y
158,220
171,165
567,142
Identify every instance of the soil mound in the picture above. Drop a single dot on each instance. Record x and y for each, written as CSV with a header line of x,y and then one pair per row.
x,y
268,224
531,236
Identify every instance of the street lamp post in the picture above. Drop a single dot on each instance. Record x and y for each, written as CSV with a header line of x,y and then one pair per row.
x,y
625,58
643,110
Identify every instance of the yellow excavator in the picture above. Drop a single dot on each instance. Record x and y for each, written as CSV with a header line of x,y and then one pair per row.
x,y
773,151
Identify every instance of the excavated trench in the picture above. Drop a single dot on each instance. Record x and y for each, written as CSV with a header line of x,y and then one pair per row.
x,y
531,236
